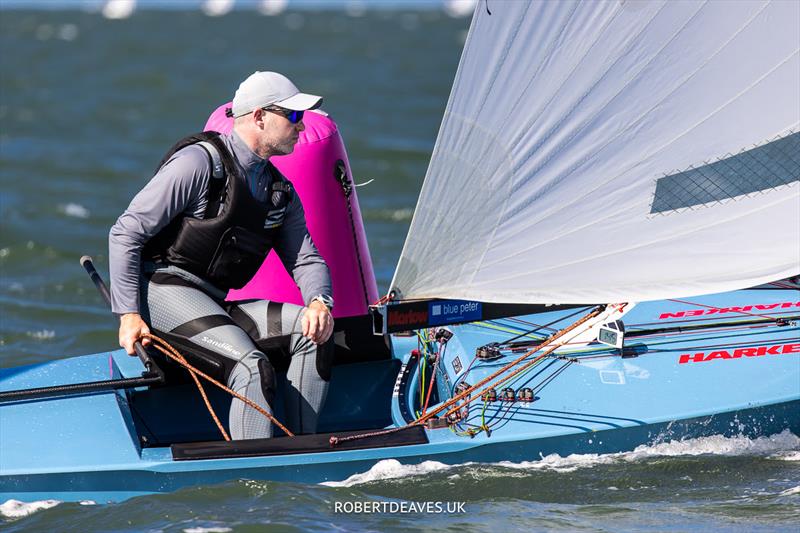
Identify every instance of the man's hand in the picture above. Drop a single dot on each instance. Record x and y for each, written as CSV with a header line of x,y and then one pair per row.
x,y
131,329
317,322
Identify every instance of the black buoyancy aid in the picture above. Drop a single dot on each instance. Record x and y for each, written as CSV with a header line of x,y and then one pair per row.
x,y
230,243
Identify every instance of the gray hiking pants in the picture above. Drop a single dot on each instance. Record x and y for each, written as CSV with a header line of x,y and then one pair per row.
x,y
238,334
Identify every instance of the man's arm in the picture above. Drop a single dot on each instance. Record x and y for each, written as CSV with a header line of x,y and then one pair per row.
x,y
308,269
178,188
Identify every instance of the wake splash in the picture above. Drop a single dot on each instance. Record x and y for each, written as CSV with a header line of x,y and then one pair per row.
x,y
782,446
389,469
18,509
773,446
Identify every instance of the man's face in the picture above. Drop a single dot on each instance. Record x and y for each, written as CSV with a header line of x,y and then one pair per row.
x,y
278,134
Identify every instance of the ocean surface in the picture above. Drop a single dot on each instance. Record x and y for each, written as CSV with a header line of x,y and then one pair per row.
x,y
88,106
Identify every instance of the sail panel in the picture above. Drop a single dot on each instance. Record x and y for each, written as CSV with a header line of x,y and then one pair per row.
x,y
570,128
752,171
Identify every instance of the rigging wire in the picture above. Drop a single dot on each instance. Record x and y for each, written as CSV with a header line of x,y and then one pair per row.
x,y
547,326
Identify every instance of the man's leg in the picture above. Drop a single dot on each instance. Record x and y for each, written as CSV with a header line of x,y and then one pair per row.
x,y
178,308
278,326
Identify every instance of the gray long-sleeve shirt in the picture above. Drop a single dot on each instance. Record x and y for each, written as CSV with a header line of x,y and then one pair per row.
x,y
179,189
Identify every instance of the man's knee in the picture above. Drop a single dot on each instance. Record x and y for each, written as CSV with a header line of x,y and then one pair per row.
x,y
254,367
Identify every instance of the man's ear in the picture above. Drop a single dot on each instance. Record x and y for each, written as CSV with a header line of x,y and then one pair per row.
x,y
259,116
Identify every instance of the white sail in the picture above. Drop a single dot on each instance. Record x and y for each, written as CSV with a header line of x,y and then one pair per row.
x,y
613,151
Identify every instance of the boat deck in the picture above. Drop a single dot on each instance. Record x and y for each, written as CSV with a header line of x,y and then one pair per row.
x,y
718,365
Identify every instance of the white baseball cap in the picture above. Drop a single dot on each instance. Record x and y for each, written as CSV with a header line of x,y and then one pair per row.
x,y
263,89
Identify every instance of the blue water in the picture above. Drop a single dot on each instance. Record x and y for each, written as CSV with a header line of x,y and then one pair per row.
x,y
88,106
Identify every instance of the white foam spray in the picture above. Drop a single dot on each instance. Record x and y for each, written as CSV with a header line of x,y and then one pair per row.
x,y
18,509
389,469
784,446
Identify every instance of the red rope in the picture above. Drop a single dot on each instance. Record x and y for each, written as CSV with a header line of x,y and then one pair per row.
x,y
433,379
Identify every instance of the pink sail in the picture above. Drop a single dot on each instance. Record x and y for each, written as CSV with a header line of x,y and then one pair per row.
x,y
341,240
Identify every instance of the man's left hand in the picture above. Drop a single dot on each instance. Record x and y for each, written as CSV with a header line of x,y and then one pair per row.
x,y
317,322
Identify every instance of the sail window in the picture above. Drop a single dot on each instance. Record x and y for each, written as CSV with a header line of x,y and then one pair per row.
x,y
750,171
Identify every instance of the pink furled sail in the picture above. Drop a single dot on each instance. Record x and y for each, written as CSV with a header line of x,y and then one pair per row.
x,y
312,169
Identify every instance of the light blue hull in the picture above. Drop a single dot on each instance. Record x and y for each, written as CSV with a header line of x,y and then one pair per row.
x,y
723,378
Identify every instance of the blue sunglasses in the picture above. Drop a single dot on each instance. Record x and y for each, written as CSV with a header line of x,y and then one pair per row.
x,y
292,116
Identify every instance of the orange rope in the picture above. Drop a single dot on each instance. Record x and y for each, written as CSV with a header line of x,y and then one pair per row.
x,y
165,348
382,300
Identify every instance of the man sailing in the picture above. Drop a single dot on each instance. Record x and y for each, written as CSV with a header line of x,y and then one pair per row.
x,y
203,225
